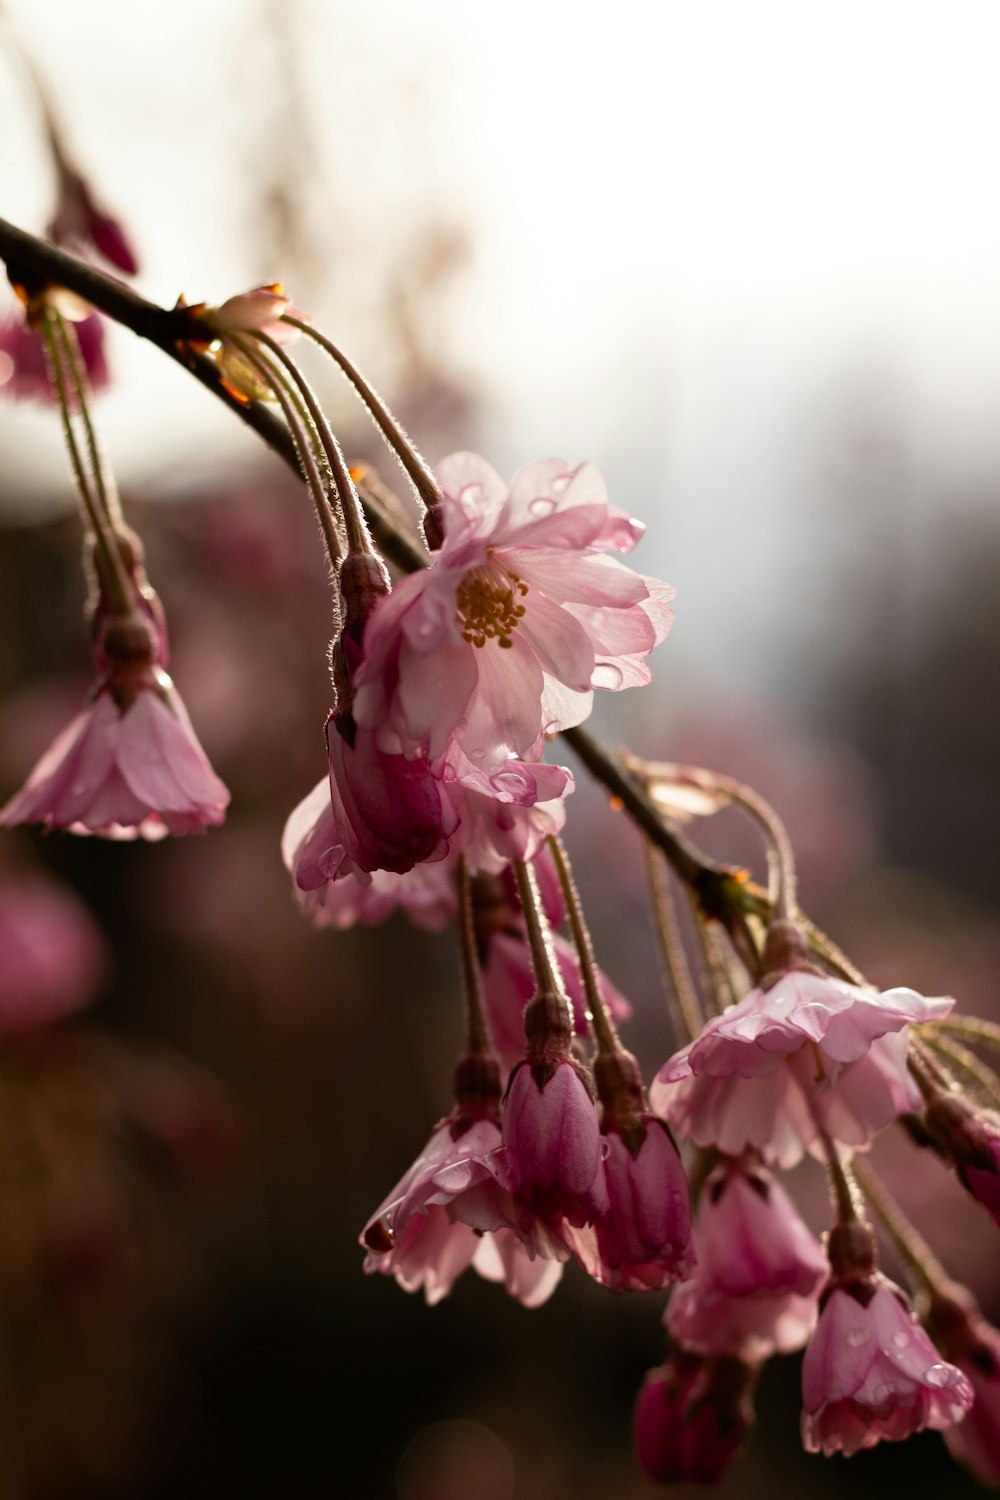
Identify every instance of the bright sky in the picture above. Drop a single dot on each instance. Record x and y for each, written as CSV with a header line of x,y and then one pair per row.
x,y
707,235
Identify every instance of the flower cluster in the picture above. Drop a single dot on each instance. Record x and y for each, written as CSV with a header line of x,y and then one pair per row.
x,y
436,801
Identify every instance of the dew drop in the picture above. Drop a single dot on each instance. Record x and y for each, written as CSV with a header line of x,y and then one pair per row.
x,y
938,1375
544,505
607,675
901,1340
858,1337
478,754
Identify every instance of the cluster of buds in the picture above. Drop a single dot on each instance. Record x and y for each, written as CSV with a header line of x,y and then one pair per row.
x,y
435,799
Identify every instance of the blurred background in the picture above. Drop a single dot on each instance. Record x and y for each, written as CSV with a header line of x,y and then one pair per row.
x,y
746,259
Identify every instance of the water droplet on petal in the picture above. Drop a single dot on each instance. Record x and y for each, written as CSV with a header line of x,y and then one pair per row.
x,y
858,1337
607,675
478,754
938,1375
544,505
901,1340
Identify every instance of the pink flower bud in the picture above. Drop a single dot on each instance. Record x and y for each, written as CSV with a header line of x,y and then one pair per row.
x,y
970,1139
974,1346
644,1238
691,1418
553,1142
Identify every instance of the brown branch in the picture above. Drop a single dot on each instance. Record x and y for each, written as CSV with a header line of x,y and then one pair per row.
x,y
35,264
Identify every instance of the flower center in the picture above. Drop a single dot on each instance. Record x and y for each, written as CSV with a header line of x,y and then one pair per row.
x,y
487,605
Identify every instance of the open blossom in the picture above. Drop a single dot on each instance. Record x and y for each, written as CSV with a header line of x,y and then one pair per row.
x,y
519,618
124,770
871,1374
757,1275
415,1236
808,1052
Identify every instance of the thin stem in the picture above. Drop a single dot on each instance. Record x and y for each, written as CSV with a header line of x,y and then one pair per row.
x,y
601,1019
782,881
477,1034
842,1187
94,516
913,1249
34,262
358,540
283,393
417,469
719,962
835,958
967,1063
543,956
973,1027
104,480
682,994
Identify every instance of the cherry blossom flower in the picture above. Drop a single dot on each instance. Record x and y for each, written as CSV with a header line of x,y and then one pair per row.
x,y
519,618
259,310
692,1416
426,893
643,1239
552,1148
24,373
758,1271
415,1235
871,1374
968,1341
969,1138
810,1052
130,765
52,957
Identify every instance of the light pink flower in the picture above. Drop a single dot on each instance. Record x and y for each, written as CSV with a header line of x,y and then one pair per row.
x,y
691,1418
751,1240
385,813
507,815
519,618
426,893
415,1236
758,1271
643,1240
809,1052
871,1374
751,1328
52,958
134,770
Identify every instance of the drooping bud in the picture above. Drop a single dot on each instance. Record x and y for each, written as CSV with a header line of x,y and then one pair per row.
x,y
968,1138
692,1416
